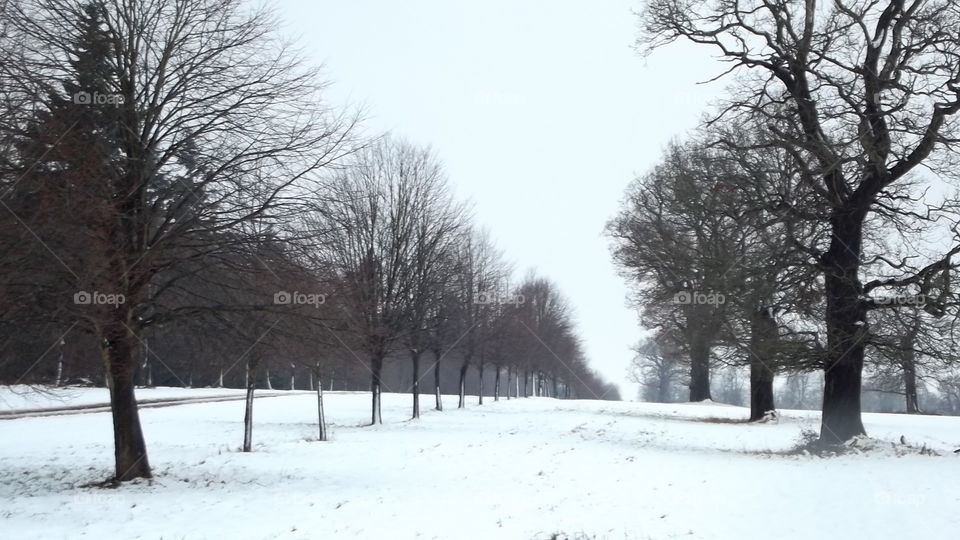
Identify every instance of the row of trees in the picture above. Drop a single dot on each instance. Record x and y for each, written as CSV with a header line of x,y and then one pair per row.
x,y
178,200
809,224
665,380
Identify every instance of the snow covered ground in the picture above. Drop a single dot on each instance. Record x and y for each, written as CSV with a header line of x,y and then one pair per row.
x,y
525,468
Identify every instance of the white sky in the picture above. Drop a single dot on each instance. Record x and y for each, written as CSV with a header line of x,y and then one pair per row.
x,y
541,111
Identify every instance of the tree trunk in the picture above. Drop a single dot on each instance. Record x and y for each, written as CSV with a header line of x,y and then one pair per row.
x,y
663,389
526,376
556,391
269,384
909,365
145,364
436,381
463,386
415,357
321,419
59,380
509,374
846,328
763,336
220,379
910,388
248,409
496,385
130,449
699,370
480,368
375,387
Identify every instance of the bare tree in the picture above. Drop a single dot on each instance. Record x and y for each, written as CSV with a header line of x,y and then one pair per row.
x,y
906,348
480,276
204,122
861,94
678,248
703,219
658,371
384,223
439,222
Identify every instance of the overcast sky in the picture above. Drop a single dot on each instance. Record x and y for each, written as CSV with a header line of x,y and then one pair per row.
x,y
542,112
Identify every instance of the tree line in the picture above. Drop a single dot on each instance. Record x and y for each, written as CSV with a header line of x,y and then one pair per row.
x,y
180,204
810,223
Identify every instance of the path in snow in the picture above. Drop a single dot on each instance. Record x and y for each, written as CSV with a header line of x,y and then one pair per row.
x,y
51,408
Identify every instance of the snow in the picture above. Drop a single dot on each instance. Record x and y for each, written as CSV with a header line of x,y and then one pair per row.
x,y
524,468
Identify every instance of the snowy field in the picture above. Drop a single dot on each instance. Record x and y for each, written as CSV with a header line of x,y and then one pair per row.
x,y
527,468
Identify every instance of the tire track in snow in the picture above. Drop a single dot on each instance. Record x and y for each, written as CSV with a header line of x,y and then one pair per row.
x,y
144,404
